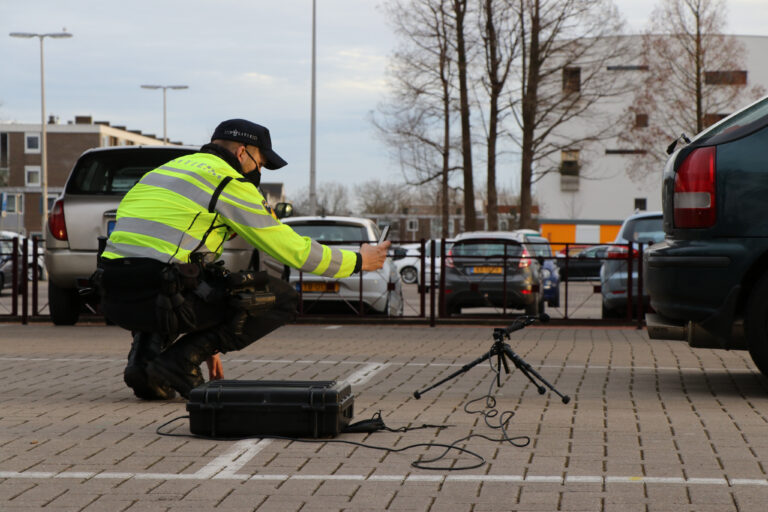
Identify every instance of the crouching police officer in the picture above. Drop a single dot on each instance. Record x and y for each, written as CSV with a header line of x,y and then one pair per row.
x,y
157,273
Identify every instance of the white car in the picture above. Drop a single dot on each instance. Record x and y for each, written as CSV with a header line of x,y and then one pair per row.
x,y
381,290
410,266
6,252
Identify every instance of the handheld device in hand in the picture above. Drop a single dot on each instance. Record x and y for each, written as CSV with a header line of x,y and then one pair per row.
x,y
384,234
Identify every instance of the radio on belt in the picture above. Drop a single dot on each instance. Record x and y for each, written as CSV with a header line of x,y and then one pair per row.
x,y
240,408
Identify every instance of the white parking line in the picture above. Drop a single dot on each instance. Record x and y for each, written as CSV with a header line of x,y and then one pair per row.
x,y
365,373
227,473
229,462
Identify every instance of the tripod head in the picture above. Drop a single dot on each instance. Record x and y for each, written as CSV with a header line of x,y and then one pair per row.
x,y
521,322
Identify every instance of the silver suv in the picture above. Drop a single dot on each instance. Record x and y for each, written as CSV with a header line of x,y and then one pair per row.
x,y
87,209
641,228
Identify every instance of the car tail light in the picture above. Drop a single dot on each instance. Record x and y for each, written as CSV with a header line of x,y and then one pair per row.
x,y
449,259
620,252
525,260
694,198
56,222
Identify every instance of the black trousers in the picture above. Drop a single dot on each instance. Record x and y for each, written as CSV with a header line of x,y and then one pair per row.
x,y
130,300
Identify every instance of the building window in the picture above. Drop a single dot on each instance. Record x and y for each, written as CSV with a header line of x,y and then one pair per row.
x,y
725,77
710,119
625,151
32,175
638,67
14,203
571,80
569,164
32,143
51,200
569,171
641,120
412,225
641,204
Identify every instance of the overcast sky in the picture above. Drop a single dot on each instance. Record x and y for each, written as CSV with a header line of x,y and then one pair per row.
x,y
240,58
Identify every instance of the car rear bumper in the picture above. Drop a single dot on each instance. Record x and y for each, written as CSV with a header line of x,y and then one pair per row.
x,y
690,281
68,269
462,293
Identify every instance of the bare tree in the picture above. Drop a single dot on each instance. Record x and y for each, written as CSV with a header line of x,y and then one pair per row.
x,y
498,31
417,117
459,8
695,76
566,45
379,197
332,199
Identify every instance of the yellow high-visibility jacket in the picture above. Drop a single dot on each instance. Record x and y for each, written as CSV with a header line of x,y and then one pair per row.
x,y
195,203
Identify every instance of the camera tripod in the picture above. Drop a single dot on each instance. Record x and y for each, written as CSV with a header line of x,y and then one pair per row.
x,y
504,352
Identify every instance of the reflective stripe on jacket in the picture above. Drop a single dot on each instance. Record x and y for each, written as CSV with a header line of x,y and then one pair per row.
x,y
165,216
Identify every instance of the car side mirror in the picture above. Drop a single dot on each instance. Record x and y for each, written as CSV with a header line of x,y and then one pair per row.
x,y
400,253
283,210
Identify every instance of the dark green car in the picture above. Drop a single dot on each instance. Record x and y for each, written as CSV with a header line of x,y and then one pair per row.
x,y
708,280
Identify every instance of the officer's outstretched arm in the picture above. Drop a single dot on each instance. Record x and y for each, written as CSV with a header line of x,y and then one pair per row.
x,y
374,255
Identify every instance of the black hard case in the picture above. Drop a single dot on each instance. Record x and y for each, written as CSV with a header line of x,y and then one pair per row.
x,y
239,408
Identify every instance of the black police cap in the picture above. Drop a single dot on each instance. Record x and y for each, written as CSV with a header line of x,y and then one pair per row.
x,y
240,130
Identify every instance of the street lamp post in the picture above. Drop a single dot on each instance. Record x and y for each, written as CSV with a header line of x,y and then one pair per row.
x,y
312,153
165,88
43,134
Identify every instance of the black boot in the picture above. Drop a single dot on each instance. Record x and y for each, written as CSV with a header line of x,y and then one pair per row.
x,y
145,347
179,366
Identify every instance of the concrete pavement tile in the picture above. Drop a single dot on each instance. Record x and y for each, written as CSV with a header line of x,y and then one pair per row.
x,y
111,504
410,502
344,489
279,503
447,505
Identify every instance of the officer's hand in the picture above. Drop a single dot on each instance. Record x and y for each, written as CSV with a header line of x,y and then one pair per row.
x,y
374,255
215,368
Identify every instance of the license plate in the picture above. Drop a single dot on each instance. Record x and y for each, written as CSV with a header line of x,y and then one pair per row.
x,y
110,227
320,287
486,270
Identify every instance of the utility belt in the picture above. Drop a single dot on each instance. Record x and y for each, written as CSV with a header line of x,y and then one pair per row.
x,y
134,279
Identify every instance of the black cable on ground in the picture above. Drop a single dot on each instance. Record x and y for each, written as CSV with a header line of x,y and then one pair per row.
x,y
376,423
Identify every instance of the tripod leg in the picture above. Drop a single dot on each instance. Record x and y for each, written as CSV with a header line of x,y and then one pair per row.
x,y
465,368
532,374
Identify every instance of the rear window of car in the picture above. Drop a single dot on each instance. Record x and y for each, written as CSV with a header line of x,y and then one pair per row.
x,y
486,248
331,232
749,115
540,246
115,172
648,229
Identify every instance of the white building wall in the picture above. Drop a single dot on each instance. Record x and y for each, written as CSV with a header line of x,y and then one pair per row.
x,y
605,190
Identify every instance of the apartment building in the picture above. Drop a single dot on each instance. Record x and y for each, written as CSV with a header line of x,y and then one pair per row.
x,y
20,163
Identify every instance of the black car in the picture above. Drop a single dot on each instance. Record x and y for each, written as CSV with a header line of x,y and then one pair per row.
x,y
583,266
492,269
708,280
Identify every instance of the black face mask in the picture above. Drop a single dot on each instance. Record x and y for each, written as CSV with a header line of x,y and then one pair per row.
x,y
255,175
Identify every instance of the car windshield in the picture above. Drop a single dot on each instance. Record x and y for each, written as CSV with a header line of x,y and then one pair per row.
x,y
746,116
486,248
540,246
644,230
115,172
331,232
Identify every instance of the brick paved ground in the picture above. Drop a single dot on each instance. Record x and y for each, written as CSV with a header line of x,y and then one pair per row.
x,y
652,426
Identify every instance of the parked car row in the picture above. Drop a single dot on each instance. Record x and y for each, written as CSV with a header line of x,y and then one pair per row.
x,y
513,270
